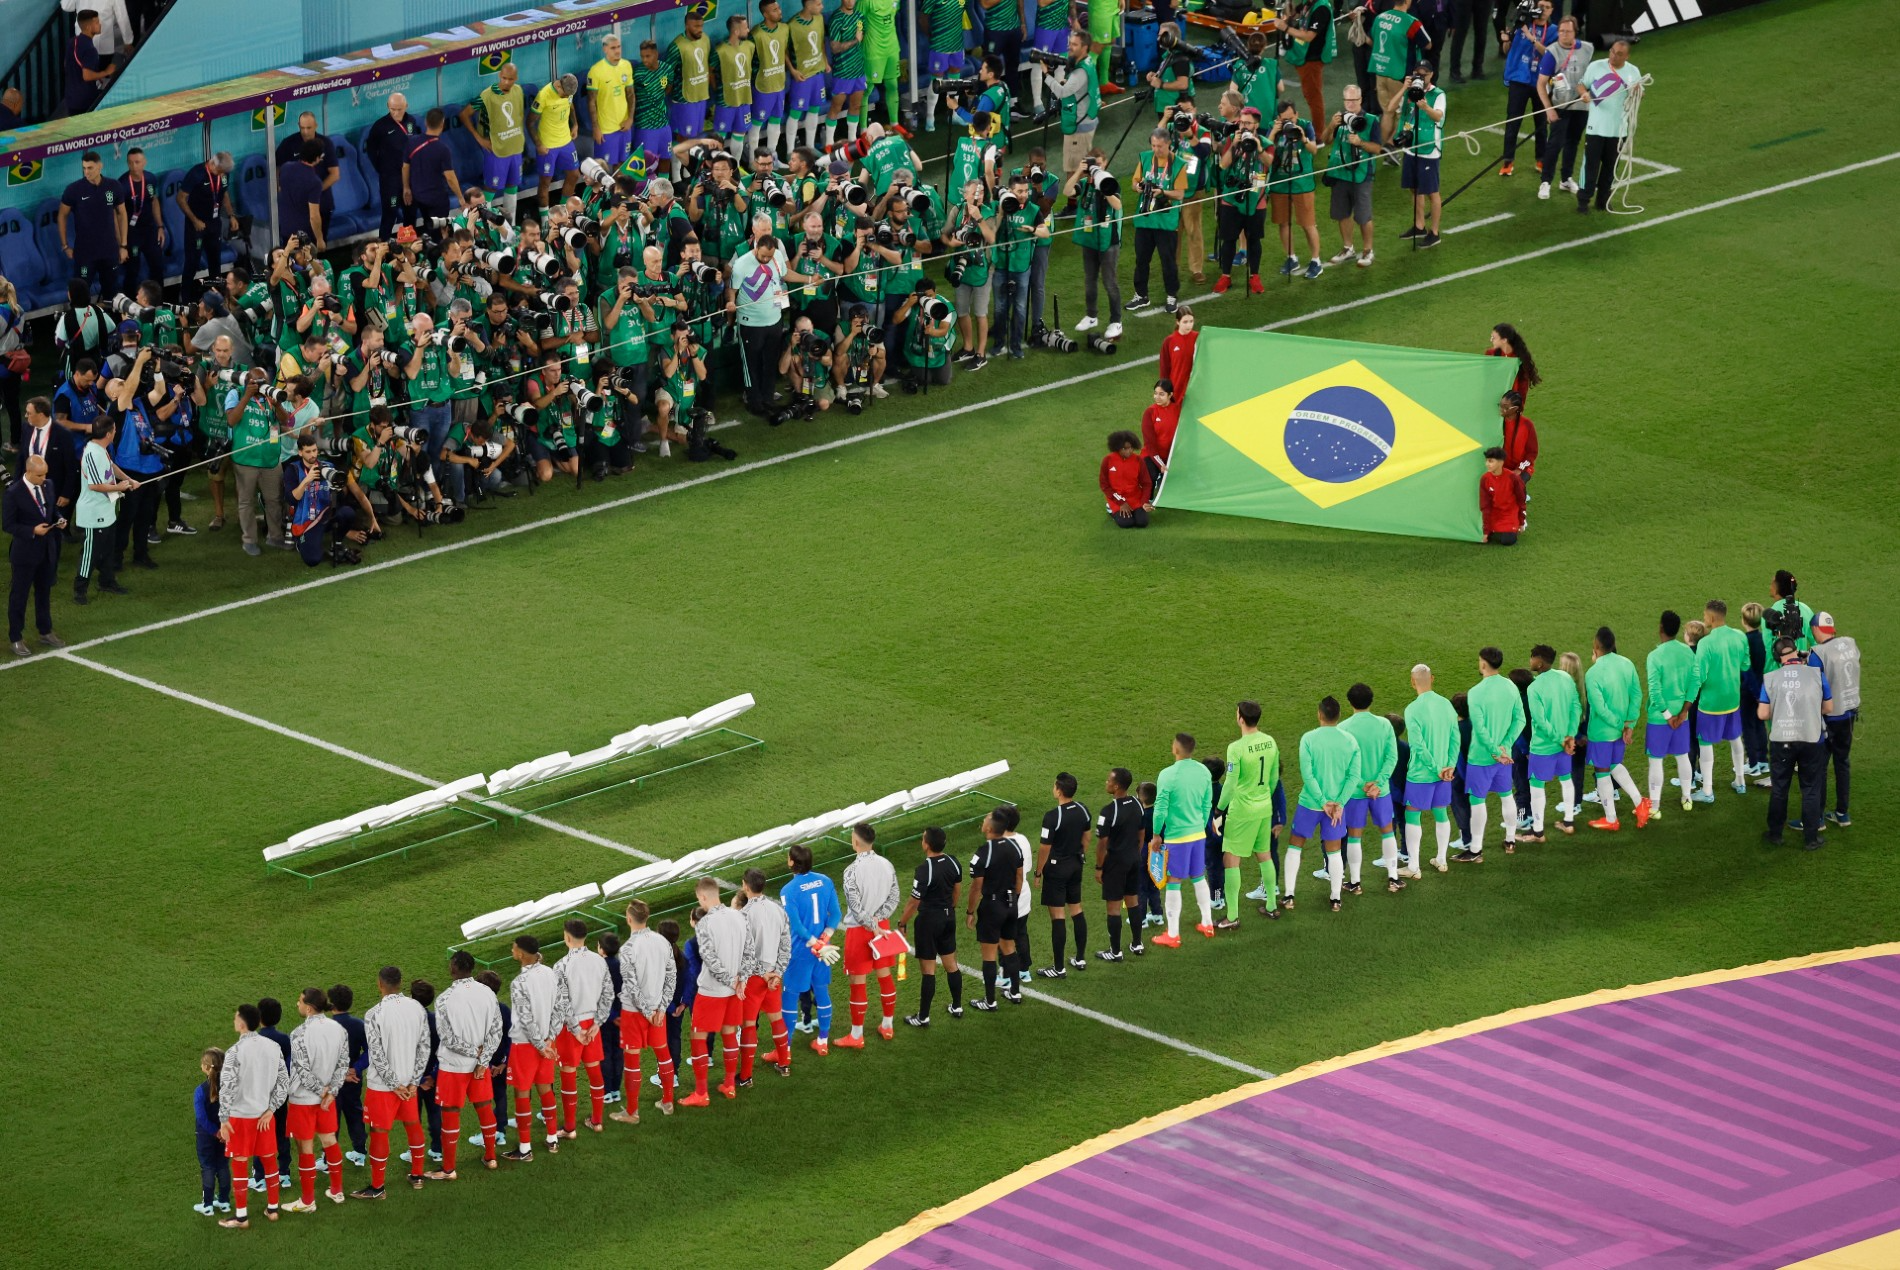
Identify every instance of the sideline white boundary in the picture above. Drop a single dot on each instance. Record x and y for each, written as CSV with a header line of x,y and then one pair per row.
x,y
1158,1037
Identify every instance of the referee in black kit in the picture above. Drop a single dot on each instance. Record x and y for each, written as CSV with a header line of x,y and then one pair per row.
x,y
1119,862
998,867
1065,831
934,891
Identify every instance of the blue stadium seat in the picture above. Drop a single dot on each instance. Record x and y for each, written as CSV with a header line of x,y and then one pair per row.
x,y
468,154
355,196
174,220
251,194
59,269
24,266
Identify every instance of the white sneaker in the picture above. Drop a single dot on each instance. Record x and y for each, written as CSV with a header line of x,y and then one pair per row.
x,y
1543,191
1442,868
1569,187
1114,331
880,391
1365,261
1320,873
203,1209
298,1206
1088,324
1258,894
1343,255
1412,873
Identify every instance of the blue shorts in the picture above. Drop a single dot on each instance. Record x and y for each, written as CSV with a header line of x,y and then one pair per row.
x,y
612,149
500,173
1487,778
1603,755
806,95
1549,767
655,143
845,87
731,121
1663,741
768,107
1187,860
1712,729
556,162
1418,175
802,972
1427,795
1308,821
946,63
687,117
1376,811
1056,42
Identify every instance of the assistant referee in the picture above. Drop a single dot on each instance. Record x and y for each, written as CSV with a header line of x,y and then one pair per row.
x,y
1065,831
1120,862
934,889
998,866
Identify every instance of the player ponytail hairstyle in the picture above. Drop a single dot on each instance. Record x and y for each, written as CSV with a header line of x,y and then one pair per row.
x,y
216,1074
1522,351
1359,696
314,998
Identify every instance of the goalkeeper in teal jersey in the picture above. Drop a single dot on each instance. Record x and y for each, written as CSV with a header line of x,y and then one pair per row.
x,y
1378,756
1671,674
1616,703
1720,659
1497,720
1432,725
1184,799
1556,710
1252,808
1330,774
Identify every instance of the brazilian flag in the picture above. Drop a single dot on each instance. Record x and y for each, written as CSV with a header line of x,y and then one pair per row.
x,y
1329,432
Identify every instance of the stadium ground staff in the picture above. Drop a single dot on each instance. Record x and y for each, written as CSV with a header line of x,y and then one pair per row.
x,y
1608,86
1796,699
1838,658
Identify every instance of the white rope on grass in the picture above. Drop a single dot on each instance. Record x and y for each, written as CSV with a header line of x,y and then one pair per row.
x,y
1625,169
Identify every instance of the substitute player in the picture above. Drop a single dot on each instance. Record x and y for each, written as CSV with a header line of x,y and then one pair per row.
x,y
944,20
770,40
809,69
319,1066
652,129
1432,728
1120,836
1378,758
1330,774
396,1029
531,1054
554,131
935,889
1616,703
1497,720
881,58
1184,798
1720,658
724,948
811,906
497,119
1556,711
1671,672
1065,829
1252,804
610,103
688,63
251,1087
1050,36
844,36
769,951
468,1031
732,116
585,997
996,879
648,977
870,897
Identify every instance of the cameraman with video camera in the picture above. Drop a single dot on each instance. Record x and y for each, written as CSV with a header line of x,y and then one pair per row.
x,y
1160,182
992,98
1243,184
1796,702
929,324
1422,138
1307,43
1173,79
310,489
1352,139
136,399
1532,33
970,234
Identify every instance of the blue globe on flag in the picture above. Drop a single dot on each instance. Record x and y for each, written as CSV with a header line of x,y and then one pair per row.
x,y
1339,434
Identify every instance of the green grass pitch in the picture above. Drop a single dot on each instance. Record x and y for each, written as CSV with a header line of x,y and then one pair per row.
x,y
1719,404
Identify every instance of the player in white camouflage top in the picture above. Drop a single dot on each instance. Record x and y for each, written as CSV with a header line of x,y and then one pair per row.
x,y
397,1031
871,895
764,974
648,978
251,1088
585,1001
724,948
534,998
319,1064
468,1031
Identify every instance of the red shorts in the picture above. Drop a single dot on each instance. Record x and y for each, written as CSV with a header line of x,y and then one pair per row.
x,y
571,1053
305,1120
528,1067
857,952
251,1136
452,1089
637,1034
762,998
715,1014
382,1108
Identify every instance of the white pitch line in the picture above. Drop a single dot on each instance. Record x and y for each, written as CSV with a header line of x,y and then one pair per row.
x,y
1489,220
341,751
740,469
1159,1037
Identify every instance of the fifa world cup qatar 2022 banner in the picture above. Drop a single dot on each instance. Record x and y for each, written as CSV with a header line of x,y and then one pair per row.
x,y
1330,432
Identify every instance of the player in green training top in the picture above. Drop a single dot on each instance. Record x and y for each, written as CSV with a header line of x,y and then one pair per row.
x,y
688,63
1330,774
1720,659
1432,725
844,35
1671,673
1616,703
1556,702
1252,805
1378,756
1497,720
944,35
880,57
1184,798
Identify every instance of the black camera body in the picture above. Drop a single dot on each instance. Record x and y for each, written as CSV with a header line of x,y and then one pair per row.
x,y
700,445
1783,622
802,405
957,87
1415,89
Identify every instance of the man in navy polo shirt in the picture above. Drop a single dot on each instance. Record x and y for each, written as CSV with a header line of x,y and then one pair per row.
x,y
96,209
300,196
428,174
291,148
144,224
204,196
87,73
386,145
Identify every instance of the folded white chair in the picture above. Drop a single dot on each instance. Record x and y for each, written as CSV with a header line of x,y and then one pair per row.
x,y
506,779
466,785
850,815
727,852
588,758
780,836
547,906
328,831
885,806
812,827
979,775
585,893
713,716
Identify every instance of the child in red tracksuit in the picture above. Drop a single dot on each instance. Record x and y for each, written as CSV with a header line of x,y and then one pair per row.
x,y
1520,439
1500,500
1158,425
1126,484
1177,351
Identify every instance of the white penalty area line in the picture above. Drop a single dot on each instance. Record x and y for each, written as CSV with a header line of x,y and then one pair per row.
x,y
340,751
1160,1038
1056,385
1474,224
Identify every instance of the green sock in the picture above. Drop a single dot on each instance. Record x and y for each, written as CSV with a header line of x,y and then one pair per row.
x,y
1235,892
1269,882
1101,66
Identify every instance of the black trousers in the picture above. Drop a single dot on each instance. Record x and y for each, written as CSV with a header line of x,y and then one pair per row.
x,y
1840,745
1135,518
1789,761
1599,170
389,205
203,252
1523,100
1362,73
1230,224
1473,18
349,1106
311,546
761,346
1007,45
34,579
146,259
1560,148
10,398
138,512
95,556
1166,242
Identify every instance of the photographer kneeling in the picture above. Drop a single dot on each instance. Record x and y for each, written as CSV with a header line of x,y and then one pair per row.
x,y
806,367
929,326
857,367
310,487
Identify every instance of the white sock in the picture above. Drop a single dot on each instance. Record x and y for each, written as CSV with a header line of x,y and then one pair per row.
x,y
1204,900
1508,805
1705,760
1655,780
1443,827
857,1031
1540,798
508,201
1684,775
1606,797
1567,788
1333,877
772,133
1413,832
752,142
1355,857
930,104
1035,85
1480,816
1171,905
1289,870
851,128
1737,760
1621,775
1389,853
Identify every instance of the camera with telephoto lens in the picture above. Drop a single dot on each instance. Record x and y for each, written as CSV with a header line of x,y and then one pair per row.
x,y
585,398
1247,147
1101,180
892,237
801,405
410,434
1404,139
1042,57
596,173
1182,118
855,389
1008,204
229,376
524,414
949,87
700,445
481,451
334,444
1052,339
572,239
855,195
1147,196
1354,122
256,312
1783,622
1237,49
1216,128
1415,89
499,261
447,514
389,358
554,301
1101,344
777,195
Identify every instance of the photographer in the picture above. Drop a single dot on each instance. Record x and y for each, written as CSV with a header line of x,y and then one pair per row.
x,y
1788,616
374,456
1043,188
1003,41
1256,75
976,157
857,367
1398,39
216,371
1020,227
756,297
1532,32
1243,184
806,365
1307,43
816,263
1079,98
993,98
1294,143
625,317
1173,79
929,324
1098,232
1352,150
137,398
573,332
1422,139
863,286
433,367
371,372
216,323
1160,181
682,373
1796,701
971,226
668,225
479,458
256,415
608,448
315,512
553,444
719,209
1559,77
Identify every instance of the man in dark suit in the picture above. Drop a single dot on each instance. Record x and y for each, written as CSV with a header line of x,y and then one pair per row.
x,y
41,437
27,513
